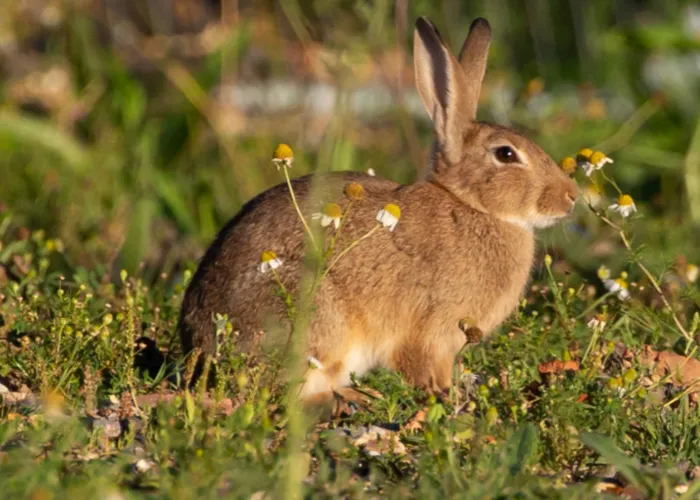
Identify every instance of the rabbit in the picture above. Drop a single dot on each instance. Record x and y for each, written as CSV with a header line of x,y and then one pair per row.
x,y
463,246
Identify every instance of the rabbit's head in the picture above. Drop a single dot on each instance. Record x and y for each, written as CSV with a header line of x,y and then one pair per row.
x,y
489,167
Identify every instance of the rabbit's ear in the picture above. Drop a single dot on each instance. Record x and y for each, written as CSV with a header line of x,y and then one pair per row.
x,y
441,84
473,57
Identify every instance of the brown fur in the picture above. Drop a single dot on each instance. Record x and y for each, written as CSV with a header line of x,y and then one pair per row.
x,y
463,246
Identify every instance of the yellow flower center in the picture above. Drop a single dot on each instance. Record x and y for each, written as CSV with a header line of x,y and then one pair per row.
x,y
268,256
585,154
354,191
568,165
393,210
333,210
535,86
603,272
621,282
596,157
593,189
625,200
283,152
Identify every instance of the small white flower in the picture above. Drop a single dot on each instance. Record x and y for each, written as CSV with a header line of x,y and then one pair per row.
x,y
691,273
283,156
591,160
314,363
625,205
470,377
618,286
142,465
268,261
603,273
389,216
370,171
597,322
331,214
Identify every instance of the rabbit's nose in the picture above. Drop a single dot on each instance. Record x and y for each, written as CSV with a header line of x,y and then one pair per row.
x,y
571,194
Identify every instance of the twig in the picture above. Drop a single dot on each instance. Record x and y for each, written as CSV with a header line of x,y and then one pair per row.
x,y
350,247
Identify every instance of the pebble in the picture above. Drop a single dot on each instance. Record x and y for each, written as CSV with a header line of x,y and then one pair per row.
x,y
110,428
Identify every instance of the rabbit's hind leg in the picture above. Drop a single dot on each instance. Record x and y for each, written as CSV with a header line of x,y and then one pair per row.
x,y
427,364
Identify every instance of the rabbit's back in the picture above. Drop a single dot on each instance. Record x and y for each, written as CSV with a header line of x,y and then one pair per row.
x,y
228,280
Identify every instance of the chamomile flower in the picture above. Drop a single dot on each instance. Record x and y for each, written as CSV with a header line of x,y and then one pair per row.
x,y
618,286
590,160
370,172
269,261
592,194
354,191
691,273
389,216
330,214
625,205
568,165
283,156
603,273
598,322
470,377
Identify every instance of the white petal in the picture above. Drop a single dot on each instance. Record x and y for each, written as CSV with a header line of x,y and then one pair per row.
x,y
611,285
387,220
326,220
264,267
380,216
275,263
370,171
316,216
336,222
588,168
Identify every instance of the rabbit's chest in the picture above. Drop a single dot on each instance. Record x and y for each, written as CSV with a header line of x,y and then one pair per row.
x,y
484,281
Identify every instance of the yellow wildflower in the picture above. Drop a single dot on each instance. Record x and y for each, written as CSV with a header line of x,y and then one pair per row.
x,y
283,156
389,216
625,205
330,214
568,165
268,261
354,191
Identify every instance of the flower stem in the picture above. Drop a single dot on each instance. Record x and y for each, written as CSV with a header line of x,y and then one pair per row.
x,y
617,188
350,247
296,205
340,228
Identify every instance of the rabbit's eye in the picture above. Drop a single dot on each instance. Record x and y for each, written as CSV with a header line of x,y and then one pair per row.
x,y
506,154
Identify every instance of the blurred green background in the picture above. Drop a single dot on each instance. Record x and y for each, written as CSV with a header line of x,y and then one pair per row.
x,y
133,129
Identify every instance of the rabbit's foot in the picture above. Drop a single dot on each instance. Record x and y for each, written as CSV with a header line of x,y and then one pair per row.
x,y
337,403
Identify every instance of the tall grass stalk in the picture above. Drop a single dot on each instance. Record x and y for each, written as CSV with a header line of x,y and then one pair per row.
x,y
692,175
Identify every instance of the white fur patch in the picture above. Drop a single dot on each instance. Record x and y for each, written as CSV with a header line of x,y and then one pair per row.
x,y
359,361
532,222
